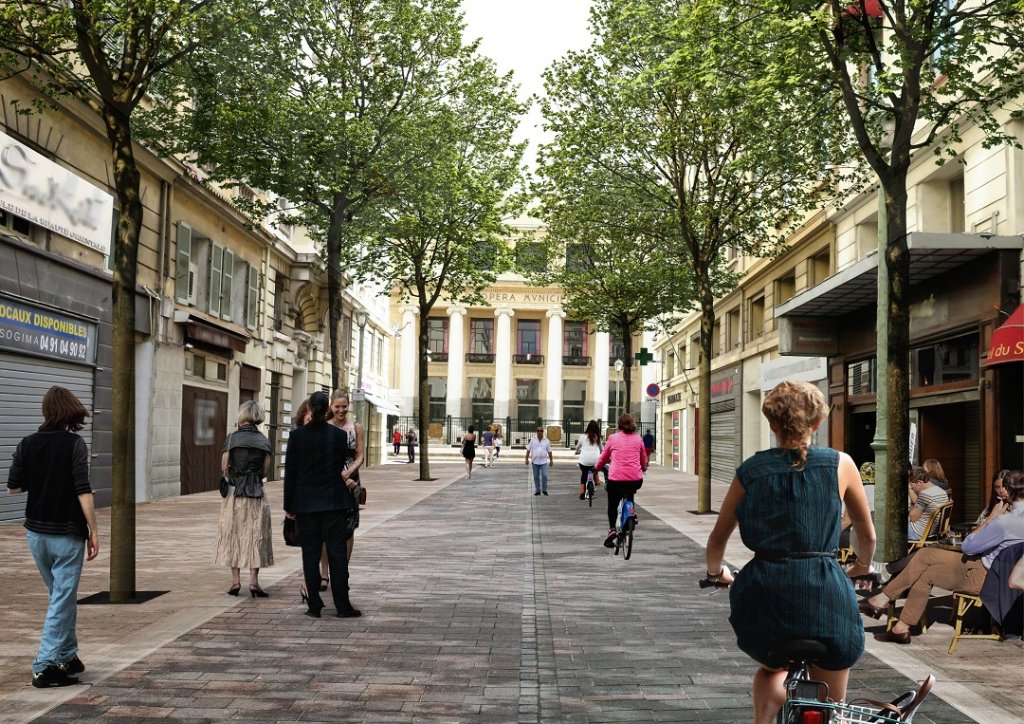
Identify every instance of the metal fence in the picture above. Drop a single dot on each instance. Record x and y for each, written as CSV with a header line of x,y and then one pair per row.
x,y
515,432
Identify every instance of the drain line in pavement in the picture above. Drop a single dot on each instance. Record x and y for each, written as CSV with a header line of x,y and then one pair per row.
x,y
538,679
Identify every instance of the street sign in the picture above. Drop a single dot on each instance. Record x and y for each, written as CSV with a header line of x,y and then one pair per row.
x,y
358,395
653,390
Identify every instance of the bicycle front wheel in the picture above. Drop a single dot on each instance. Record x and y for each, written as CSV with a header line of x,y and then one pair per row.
x,y
590,494
627,539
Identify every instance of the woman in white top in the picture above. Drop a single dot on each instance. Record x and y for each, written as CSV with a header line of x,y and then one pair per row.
x,y
589,447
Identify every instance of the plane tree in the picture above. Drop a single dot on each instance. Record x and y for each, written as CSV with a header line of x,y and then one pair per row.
x,y
665,105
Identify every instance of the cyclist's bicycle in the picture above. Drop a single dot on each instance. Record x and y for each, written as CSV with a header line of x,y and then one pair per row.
x,y
625,525
590,488
807,700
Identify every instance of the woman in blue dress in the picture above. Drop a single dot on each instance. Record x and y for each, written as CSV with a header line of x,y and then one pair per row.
x,y
788,504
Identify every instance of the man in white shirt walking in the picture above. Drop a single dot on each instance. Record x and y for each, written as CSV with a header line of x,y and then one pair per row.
x,y
538,452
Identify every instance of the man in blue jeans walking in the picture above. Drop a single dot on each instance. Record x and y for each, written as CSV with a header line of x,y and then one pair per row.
x,y
538,452
52,465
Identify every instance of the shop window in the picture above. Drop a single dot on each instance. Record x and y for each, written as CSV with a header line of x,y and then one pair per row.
x,y
437,336
755,316
951,360
860,378
205,367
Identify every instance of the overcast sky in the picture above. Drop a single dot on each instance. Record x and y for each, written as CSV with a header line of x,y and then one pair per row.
x,y
525,36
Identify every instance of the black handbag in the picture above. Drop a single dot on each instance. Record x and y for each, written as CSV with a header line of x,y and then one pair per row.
x,y
291,532
224,485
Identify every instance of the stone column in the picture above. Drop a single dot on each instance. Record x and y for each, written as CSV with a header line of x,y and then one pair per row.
x,y
456,360
503,361
553,361
600,354
407,363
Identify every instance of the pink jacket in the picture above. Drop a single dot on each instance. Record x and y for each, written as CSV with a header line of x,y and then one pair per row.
x,y
629,459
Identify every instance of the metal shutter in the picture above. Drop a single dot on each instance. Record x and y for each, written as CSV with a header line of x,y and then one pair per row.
x,y
23,382
723,445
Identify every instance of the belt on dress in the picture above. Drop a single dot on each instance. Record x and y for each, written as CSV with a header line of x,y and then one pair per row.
x,y
779,555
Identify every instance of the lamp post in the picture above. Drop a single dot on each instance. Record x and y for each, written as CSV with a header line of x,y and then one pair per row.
x,y
619,365
361,317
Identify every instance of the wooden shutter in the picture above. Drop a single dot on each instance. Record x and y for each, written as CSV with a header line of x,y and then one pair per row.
x,y
183,244
216,277
227,277
252,295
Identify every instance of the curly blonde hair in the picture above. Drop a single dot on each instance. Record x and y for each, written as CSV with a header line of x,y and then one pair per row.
x,y
792,410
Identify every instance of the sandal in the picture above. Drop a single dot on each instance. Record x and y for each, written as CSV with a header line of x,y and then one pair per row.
x,y
324,582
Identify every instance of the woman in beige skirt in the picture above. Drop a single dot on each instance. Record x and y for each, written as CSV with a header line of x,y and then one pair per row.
x,y
243,536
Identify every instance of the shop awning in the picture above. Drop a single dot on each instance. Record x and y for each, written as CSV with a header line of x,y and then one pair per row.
x,y
1008,340
383,405
856,286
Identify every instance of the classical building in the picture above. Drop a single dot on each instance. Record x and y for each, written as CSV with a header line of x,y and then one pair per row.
x,y
519,361
811,314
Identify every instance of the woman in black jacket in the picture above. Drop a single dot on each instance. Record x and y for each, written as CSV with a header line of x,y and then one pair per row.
x,y
318,494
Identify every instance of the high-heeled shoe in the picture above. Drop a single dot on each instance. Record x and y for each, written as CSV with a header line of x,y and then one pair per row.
x,y
313,612
324,582
233,591
303,596
870,610
258,592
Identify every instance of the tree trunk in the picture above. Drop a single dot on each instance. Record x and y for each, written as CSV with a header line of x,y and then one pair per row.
x,y
627,370
707,325
126,251
334,287
897,363
424,395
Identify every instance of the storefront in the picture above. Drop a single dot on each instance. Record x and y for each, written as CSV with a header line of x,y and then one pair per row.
x,y
725,424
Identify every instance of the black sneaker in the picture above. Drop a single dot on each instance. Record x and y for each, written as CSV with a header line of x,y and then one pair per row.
x,y
52,676
545,492
609,541
75,666
536,492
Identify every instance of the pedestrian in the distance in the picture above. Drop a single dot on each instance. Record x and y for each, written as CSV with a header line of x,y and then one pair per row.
x,y
52,466
649,443
396,440
410,442
469,450
488,436
244,532
498,442
538,452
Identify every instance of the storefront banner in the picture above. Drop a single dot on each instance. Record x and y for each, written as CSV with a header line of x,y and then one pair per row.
x,y
1008,341
48,195
24,328
808,337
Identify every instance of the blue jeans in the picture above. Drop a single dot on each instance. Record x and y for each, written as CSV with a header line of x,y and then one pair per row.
x,y
540,476
59,560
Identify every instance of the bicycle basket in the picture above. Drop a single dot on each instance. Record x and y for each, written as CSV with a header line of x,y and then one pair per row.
x,y
842,713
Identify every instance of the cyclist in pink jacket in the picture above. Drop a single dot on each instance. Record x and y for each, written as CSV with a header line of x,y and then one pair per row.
x,y
625,475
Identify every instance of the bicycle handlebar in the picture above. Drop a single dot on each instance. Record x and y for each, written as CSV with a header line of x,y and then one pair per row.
x,y
708,583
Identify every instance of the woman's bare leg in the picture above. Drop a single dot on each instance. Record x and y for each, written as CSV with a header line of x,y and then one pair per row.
x,y
769,694
836,681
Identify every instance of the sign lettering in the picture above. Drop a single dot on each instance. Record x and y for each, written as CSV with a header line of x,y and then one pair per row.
x,y
26,329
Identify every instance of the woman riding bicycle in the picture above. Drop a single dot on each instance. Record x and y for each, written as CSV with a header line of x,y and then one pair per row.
x,y
788,504
628,458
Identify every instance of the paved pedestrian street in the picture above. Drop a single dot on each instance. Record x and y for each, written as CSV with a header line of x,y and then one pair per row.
x,y
481,603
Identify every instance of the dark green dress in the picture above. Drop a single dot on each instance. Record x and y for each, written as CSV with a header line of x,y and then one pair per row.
x,y
787,592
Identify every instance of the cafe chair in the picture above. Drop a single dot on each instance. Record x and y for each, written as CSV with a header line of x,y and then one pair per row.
x,y
1004,604
936,527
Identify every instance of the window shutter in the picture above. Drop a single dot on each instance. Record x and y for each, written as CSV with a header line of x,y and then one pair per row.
x,y
226,284
183,244
252,295
216,274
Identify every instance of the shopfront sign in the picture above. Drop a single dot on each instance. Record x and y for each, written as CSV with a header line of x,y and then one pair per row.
x,y
808,336
1008,341
29,329
48,195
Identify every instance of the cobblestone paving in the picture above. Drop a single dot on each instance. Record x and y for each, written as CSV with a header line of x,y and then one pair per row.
x,y
482,603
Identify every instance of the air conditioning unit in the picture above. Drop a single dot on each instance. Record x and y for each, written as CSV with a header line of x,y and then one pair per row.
x,y
193,272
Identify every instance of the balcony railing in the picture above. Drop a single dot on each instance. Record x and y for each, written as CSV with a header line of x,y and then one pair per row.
x,y
573,360
528,359
480,357
437,357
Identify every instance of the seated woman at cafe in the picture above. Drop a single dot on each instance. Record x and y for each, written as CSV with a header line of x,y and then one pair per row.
x,y
997,498
951,570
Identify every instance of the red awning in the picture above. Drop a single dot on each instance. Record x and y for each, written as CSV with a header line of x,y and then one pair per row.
x,y
1008,340
872,8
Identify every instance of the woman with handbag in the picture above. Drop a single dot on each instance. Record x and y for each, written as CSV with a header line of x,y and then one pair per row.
x,y
243,535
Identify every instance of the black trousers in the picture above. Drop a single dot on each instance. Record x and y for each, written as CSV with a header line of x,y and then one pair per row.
x,y
315,529
617,490
398,447
584,469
